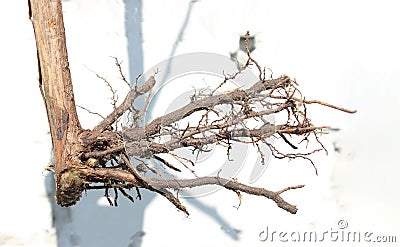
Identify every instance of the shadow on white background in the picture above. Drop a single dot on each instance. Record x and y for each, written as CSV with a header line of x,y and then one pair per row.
x,y
344,53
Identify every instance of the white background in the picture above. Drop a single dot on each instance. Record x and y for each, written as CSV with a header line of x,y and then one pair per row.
x,y
342,52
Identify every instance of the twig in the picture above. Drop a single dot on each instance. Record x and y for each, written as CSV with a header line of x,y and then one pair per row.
x,y
317,102
98,154
164,134
206,103
126,104
148,183
160,186
118,64
228,184
91,112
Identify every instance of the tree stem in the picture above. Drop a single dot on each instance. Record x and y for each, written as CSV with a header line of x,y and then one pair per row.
x,y
55,82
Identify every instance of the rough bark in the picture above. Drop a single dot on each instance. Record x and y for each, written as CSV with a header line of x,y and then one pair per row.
x,y
56,87
81,156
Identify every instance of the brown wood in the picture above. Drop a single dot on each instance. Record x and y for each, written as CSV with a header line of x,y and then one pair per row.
x,y
80,156
56,86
